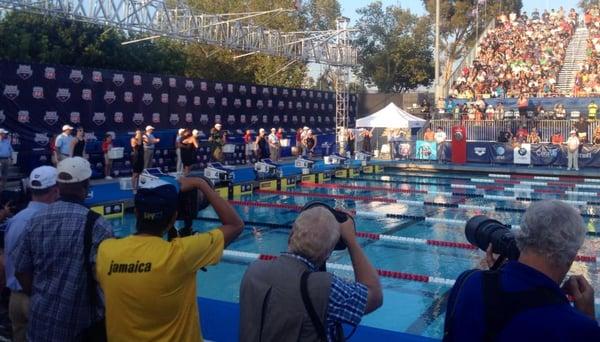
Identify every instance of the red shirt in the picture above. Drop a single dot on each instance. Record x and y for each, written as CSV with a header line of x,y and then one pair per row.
x,y
247,138
106,146
298,136
279,135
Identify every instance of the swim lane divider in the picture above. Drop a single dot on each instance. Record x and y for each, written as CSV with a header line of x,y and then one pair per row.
x,y
397,239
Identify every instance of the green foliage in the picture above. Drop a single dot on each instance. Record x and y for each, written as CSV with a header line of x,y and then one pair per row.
x,y
394,48
585,4
34,38
458,27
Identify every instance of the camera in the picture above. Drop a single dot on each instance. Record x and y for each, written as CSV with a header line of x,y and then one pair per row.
x,y
189,204
340,216
481,230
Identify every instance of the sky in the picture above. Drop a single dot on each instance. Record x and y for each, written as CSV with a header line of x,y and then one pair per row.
x,y
349,7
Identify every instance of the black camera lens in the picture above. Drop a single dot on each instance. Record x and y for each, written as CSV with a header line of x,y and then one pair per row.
x,y
481,231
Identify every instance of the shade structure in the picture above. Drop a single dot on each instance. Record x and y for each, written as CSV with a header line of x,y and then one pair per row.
x,y
391,116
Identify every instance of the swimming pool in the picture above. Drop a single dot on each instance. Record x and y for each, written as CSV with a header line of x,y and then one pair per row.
x,y
411,223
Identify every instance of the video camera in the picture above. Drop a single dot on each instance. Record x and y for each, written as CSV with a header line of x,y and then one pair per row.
x,y
481,230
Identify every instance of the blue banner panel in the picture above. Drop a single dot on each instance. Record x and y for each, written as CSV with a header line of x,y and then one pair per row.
x,y
545,154
426,150
479,152
501,153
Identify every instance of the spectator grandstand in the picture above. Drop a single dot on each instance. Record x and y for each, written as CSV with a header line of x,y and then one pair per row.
x,y
521,55
587,80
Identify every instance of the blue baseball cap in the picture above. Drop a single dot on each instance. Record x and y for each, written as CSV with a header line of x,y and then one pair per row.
x,y
157,198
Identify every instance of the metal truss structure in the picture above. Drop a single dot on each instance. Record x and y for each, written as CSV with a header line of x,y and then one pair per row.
x,y
175,19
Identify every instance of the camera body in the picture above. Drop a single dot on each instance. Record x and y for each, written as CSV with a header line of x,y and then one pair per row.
x,y
339,215
481,230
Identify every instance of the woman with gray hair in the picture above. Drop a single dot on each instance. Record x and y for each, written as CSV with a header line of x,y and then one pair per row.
x,y
523,300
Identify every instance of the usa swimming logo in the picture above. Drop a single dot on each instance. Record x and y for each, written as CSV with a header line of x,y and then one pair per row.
x,y
303,119
243,118
248,103
311,119
281,105
326,96
224,102
137,80
242,89
303,93
41,139
189,118
172,82
164,98
76,76
86,94
97,76
319,119
327,120
290,105
330,107
99,118
294,93
128,97
253,90
197,101
230,88
118,79
118,117
316,106
189,85
147,99
259,104
230,119
275,91
204,119
319,95
203,86
276,119
218,87
285,93
285,118
298,105
24,71
310,94
182,100
11,91
217,119
63,94
109,97
50,73
211,102
138,118
322,106
254,119
307,105
265,92
155,118
23,116
174,119
269,103
37,93
237,103
51,118
75,117
157,82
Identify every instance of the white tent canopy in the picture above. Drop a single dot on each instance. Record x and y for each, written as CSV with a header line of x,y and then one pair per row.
x,y
391,117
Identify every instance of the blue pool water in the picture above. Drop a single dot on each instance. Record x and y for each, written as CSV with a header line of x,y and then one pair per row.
x,y
410,307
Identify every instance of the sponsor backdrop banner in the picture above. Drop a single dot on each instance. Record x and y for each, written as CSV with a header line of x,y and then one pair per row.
x,y
501,153
479,152
37,99
545,154
522,154
426,150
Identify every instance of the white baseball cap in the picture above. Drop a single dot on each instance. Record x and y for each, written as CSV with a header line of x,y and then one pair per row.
x,y
67,127
43,177
3,131
181,130
218,126
261,130
305,128
273,130
73,170
149,127
195,132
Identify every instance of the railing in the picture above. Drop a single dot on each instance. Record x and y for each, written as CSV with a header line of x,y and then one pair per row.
x,y
488,130
469,58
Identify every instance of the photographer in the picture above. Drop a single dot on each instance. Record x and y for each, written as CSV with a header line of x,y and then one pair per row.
x,y
272,308
522,300
150,284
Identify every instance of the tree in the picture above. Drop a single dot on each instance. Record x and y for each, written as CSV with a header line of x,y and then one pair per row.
x,y
394,48
585,4
320,15
458,27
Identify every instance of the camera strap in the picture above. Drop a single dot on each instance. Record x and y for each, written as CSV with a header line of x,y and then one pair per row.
x,y
501,306
308,305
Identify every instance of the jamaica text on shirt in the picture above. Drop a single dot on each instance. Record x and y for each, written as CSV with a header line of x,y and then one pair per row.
x,y
129,268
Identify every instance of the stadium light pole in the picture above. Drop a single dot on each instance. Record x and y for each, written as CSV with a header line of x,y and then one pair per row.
x,y
437,51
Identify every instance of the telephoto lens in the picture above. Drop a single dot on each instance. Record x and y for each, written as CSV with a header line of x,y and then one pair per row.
x,y
481,230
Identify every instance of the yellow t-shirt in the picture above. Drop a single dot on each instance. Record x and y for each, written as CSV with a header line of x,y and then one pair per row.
x,y
149,285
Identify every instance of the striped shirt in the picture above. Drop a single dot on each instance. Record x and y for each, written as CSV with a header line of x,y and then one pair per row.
x,y
51,249
347,301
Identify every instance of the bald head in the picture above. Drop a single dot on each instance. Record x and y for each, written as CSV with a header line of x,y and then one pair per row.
x,y
314,235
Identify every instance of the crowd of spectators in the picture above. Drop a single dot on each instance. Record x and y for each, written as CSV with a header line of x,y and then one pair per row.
x,y
587,79
521,55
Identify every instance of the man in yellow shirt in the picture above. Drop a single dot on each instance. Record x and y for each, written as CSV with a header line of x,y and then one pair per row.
x,y
592,110
149,284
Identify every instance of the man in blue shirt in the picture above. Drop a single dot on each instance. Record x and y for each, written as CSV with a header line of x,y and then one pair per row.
x,y
63,143
6,151
523,300
42,184
49,260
